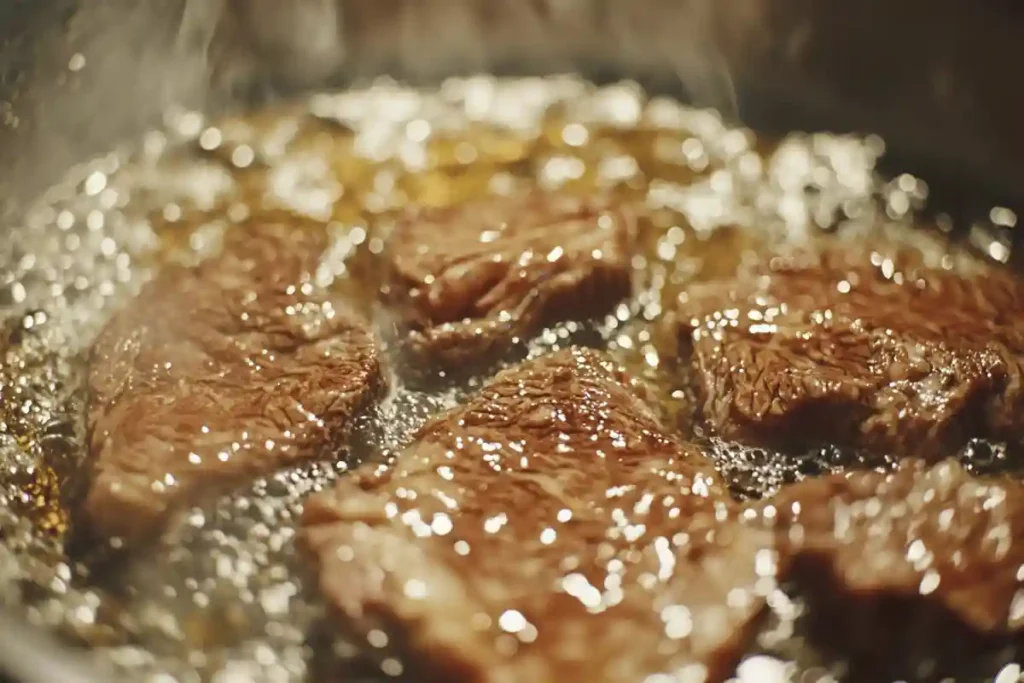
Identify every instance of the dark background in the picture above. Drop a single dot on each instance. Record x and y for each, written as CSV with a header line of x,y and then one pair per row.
x,y
940,80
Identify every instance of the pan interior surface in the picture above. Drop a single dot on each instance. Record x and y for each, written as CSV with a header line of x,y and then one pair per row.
x,y
223,597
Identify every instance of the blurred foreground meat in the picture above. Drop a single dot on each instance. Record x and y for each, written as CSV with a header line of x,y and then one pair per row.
x,y
548,530
861,347
468,280
924,562
219,373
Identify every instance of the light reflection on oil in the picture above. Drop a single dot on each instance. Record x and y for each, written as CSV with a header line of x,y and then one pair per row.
x,y
232,587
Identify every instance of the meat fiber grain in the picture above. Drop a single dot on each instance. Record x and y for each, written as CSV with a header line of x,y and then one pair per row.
x,y
924,562
221,373
469,280
547,530
859,345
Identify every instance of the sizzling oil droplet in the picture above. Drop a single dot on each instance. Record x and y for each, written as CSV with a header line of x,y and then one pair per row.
x,y
248,606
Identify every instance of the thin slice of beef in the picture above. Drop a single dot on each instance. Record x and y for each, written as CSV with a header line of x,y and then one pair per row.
x,y
548,530
860,345
916,563
468,279
218,373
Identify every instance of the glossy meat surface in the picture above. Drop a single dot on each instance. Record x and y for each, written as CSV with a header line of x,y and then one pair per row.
x,y
921,564
932,532
468,280
220,373
860,346
547,530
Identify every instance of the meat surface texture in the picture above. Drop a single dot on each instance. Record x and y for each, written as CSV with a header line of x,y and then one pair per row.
x,y
547,530
914,561
467,280
219,373
860,346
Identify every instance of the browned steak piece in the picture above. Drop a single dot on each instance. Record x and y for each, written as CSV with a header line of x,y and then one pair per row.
x,y
219,373
467,280
858,346
910,561
548,530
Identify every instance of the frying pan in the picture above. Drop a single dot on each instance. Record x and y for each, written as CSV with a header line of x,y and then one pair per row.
x,y
936,79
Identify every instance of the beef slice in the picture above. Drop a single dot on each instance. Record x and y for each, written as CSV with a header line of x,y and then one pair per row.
x,y
858,345
469,280
922,562
547,530
221,373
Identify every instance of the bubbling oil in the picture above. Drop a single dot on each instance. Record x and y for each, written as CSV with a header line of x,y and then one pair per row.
x,y
224,598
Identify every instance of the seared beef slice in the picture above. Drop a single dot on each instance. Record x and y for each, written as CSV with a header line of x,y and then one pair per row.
x,y
916,561
850,346
546,531
468,279
219,373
